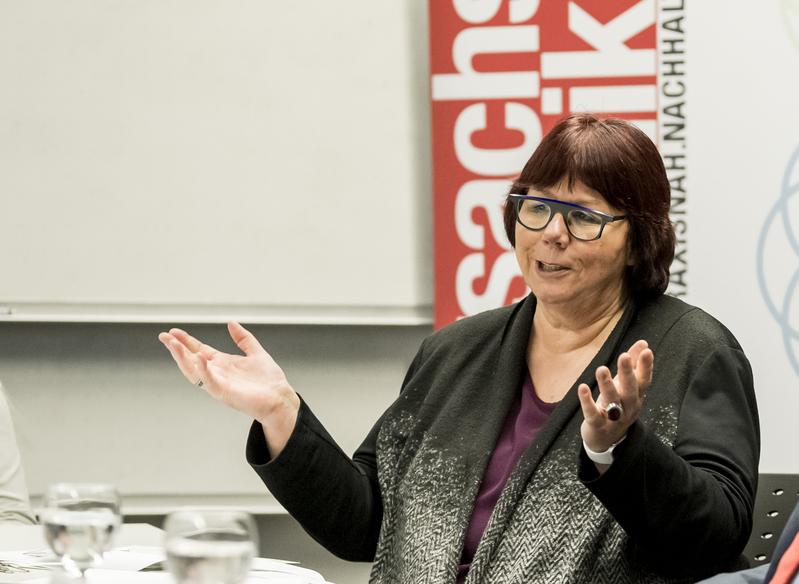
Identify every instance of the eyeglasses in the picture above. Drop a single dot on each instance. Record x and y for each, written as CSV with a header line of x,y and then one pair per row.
x,y
583,223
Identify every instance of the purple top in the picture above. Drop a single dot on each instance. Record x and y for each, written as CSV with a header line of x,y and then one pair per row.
x,y
526,417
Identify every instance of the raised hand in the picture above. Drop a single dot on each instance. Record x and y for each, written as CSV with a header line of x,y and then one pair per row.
x,y
252,383
628,389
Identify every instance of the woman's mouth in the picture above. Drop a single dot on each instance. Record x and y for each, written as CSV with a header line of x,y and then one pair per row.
x,y
549,268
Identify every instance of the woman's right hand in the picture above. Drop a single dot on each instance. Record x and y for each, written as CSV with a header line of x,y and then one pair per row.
x,y
252,383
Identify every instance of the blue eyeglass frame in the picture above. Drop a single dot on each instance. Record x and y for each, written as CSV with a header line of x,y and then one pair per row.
x,y
563,208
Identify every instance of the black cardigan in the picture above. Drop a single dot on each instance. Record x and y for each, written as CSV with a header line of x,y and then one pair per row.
x,y
675,505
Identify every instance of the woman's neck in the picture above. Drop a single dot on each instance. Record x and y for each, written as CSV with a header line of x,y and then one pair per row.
x,y
563,329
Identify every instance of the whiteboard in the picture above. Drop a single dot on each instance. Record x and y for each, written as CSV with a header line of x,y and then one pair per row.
x,y
202,160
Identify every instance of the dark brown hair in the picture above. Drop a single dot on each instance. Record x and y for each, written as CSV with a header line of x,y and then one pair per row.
x,y
619,161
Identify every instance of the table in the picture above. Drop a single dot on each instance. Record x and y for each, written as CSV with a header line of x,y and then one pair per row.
x,y
18,537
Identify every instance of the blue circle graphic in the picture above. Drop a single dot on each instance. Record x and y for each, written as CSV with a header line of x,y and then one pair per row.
x,y
781,310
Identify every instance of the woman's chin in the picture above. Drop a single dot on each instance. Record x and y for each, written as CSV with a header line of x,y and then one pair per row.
x,y
553,295
552,287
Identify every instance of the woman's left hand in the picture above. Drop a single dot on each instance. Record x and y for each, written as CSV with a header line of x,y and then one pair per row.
x,y
627,389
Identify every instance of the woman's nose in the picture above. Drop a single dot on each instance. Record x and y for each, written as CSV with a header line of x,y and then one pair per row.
x,y
556,231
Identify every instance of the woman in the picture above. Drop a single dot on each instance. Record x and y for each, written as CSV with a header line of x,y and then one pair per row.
x,y
536,442
14,504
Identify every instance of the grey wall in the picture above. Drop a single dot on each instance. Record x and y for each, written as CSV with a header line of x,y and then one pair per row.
x,y
105,402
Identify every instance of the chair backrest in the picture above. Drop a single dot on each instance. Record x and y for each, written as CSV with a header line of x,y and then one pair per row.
x,y
777,495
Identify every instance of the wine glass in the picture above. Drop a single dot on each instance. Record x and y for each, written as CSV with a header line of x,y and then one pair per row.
x,y
209,546
79,523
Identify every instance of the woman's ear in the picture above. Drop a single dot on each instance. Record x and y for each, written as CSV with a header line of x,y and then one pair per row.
x,y
632,257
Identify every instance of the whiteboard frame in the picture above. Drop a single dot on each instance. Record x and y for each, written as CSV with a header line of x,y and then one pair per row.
x,y
215,314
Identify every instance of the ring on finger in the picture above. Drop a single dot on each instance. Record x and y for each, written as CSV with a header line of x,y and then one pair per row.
x,y
614,411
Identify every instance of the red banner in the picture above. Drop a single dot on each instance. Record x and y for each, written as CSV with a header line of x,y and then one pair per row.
x,y
503,72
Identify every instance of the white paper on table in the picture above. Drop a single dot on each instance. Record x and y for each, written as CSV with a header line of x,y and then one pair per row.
x,y
26,578
128,558
119,577
100,576
26,568
265,567
94,576
132,558
29,577
122,565
275,578
33,557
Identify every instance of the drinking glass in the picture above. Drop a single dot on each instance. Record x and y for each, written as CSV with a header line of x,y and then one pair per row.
x,y
209,546
79,521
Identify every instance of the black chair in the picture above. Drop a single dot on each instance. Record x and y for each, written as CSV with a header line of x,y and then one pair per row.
x,y
777,495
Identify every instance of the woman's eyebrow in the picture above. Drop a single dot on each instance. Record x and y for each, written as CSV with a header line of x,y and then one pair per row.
x,y
589,203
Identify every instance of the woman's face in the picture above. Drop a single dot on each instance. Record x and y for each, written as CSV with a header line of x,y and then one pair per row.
x,y
563,270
